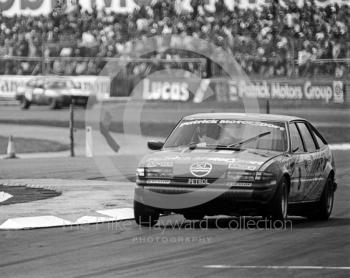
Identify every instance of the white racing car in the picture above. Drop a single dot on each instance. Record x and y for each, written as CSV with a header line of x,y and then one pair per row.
x,y
237,164
53,91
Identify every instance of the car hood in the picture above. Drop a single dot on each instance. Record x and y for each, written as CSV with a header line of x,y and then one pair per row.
x,y
185,162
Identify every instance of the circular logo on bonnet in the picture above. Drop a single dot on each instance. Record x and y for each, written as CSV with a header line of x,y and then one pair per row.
x,y
201,169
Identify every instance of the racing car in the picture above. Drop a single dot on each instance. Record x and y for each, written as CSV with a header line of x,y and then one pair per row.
x,y
237,164
53,91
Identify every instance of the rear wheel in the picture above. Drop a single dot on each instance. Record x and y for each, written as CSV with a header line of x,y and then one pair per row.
x,y
55,103
24,103
278,208
324,207
145,215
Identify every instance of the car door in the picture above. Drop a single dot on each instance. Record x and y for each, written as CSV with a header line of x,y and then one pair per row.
x,y
314,163
28,93
38,91
297,165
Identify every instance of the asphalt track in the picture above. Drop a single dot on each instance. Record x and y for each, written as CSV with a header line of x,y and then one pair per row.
x,y
215,248
167,112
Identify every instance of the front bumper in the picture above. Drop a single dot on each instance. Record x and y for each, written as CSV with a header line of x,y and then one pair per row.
x,y
239,195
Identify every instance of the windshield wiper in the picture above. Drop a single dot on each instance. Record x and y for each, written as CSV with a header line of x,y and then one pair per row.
x,y
193,146
225,147
249,140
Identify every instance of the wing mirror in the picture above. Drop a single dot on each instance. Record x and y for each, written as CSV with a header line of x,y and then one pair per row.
x,y
155,145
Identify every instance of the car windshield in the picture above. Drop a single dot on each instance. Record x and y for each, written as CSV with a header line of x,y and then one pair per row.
x,y
216,133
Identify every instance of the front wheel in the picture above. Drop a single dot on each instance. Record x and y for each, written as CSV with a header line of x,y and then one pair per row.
x,y
278,208
144,215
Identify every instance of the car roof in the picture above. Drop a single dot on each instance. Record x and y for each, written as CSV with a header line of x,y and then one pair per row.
x,y
243,116
51,78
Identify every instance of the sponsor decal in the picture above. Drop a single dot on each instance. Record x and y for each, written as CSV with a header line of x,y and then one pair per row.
x,y
241,184
338,88
158,181
198,122
318,92
198,181
165,90
242,190
221,159
252,123
242,166
201,169
155,163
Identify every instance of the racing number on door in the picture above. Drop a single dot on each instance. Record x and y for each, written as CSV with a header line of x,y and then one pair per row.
x,y
299,178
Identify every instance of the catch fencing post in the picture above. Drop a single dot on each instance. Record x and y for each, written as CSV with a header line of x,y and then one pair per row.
x,y
267,107
88,142
71,128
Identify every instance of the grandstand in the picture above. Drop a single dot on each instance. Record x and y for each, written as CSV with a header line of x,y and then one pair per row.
x,y
272,41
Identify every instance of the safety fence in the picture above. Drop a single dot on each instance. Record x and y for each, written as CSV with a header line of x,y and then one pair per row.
x,y
323,80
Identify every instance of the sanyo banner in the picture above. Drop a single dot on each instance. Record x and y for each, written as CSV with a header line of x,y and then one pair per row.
x,y
27,7
44,7
98,85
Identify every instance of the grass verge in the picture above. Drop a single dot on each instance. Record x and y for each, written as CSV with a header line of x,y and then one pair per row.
x,y
28,145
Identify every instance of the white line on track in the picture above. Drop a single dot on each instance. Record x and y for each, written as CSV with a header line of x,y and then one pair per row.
x,y
295,267
341,146
4,196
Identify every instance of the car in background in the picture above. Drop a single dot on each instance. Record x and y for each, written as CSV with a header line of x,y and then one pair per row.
x,y
53,91
237,164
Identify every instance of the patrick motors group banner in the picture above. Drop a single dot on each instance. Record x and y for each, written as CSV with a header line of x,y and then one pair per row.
x,y
325,91
223,90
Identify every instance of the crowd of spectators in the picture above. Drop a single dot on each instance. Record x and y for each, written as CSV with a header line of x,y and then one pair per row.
x,y
272,41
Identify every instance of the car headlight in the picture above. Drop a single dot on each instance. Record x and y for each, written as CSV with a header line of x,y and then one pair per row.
x,y
140,172
242,176
250,176
264,176
155,172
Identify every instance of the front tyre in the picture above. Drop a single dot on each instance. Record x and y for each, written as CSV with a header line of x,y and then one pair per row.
x,y
278,208
144,215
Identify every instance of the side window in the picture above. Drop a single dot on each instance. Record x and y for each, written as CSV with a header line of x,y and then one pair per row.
x,y
296,142
319,140
32,83
307,137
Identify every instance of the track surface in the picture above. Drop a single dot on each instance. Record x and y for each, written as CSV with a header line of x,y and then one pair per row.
x,y
125,250
166,112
